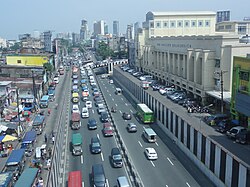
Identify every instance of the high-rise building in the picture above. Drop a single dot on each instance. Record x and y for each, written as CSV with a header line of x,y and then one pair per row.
x,y
222,16
129,32
106,28
75,38
36,34
46,39
84,30
136,27
98,28
116,28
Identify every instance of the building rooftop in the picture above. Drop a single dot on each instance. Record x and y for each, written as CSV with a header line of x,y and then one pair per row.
x,y
181,13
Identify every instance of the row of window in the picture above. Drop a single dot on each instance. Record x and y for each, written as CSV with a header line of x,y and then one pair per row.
x,y
180,23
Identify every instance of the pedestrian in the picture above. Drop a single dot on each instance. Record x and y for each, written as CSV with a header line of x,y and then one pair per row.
x,y
45,138
49,111
53,139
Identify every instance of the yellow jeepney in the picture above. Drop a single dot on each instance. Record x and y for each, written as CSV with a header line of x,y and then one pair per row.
x,y
75,97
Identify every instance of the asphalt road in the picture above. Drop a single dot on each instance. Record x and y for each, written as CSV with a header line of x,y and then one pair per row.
x,y
85,162
167,170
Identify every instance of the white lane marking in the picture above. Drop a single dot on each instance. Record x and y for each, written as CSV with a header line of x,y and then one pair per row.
x,y
116,105
81,159
126,104
93,111
107,181
166,185
131,111
110,95
140,143
188,184
102,157
98,136
82,184
156,143
121,98
170,161
144,127
112,99
120,111
152,163
108,91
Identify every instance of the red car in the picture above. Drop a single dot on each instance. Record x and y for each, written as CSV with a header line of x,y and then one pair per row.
x,y
107,129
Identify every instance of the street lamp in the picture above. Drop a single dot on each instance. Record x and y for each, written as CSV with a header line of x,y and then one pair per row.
x,y
221,88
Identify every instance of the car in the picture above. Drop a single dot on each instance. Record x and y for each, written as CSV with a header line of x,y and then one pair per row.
x,y
75,76
226,124
104,116
132,127
85,112
126,116
56,80
116,157
215,119
111,81
92,124
98,176
75,82
75,109
95,145
122,181
151,153
233,132
107,129
101,108
88,104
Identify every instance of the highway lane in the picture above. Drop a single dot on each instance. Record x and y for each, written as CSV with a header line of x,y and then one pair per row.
x,y
166,170
85,162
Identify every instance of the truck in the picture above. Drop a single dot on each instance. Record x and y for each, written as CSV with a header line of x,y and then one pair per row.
x,y
145,84
15,163
51,94
75,121
39,124
76,144
44,102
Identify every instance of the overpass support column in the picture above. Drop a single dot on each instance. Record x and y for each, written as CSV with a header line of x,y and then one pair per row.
x,y
110,68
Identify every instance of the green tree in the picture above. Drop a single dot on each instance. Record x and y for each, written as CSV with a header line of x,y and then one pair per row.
x,y
104,50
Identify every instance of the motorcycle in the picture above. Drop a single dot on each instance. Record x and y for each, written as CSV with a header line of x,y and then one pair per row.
x,y
113,109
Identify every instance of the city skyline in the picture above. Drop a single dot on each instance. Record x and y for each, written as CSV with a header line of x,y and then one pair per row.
x,y
66,16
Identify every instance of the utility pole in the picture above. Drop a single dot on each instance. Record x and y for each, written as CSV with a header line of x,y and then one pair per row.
x,y
34,84
18,113
221,84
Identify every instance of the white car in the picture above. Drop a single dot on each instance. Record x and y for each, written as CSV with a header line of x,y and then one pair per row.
x,y
151,153
85,112
56,80
88,104
111,81
75,109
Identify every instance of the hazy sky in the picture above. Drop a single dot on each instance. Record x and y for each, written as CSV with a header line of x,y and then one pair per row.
x,y
25,16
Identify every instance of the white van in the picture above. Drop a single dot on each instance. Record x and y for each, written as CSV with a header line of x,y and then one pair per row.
x,y
149,134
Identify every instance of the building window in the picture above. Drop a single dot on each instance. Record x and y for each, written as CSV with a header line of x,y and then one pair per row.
x,y
165,24
193,23
180,23
207,23
19,61
244,75
158,24
152,25
221,27
172,24
242,29
187,23
228,27
200,23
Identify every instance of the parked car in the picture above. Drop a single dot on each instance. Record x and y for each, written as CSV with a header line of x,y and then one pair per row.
x,y
233,132
226,124
215,119
132,127
126,116
151,153
243,137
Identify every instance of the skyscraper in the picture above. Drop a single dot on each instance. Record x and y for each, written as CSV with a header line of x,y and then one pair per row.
x,y
106,28
84,30
99,27
129,32
136,27
46,39
116,28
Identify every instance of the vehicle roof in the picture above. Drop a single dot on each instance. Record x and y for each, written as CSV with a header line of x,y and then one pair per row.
x,y
29,137
149,131
151,150
75,95
38,119
15,157
76,139
123,181
27,178
145,108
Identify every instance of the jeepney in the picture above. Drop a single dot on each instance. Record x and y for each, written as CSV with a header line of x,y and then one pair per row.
x,y
75,97
77,144
75,121
38,124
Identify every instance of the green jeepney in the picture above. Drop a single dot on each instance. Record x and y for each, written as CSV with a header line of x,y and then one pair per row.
x,y
77,144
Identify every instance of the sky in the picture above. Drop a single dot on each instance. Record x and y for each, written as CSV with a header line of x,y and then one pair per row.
x,y
26,16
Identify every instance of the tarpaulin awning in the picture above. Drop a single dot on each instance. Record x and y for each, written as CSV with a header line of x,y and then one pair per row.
x,y
8,138
1,138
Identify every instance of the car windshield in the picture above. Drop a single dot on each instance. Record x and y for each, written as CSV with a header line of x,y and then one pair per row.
x,y
95,144
117,157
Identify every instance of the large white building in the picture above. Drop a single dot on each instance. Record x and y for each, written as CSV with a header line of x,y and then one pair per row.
x,y
190,55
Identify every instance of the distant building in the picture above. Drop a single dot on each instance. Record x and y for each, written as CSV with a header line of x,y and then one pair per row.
x,y
235,27
46,39
222,16
116,28
36,34
27,60
84,30
98,28
3,43
129,32
106,28
240,99
75,38
136,27
30,42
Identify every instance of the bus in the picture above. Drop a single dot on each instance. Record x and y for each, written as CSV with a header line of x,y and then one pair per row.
x,y
145,114
75,179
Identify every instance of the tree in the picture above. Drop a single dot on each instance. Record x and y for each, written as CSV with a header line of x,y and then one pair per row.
x,y
104,50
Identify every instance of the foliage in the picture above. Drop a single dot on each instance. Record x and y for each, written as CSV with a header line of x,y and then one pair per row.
x,y
49,67
104,50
